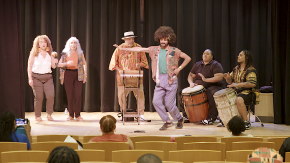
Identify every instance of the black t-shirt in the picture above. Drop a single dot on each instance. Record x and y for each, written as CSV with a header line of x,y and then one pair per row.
x,y
207,71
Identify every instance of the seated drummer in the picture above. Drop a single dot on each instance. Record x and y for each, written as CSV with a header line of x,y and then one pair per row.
x,y
208,73
243,79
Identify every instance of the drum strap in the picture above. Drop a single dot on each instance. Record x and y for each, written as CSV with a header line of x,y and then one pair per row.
x,y
198,103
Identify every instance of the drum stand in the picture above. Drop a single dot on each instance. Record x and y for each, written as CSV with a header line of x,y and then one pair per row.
x,y
249,113
131,114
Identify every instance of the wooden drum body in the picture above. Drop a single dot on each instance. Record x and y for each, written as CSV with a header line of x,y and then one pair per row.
x,y
195,103
225,100
131,78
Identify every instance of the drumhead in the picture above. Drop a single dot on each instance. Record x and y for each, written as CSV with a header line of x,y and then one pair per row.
x,y
193,89
224,91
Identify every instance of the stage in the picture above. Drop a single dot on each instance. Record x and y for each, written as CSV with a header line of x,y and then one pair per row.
x,y
90,126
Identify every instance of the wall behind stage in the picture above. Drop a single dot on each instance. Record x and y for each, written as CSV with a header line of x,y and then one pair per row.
x,y
224,26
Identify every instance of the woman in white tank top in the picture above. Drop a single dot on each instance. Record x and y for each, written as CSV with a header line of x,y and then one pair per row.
x,y
40,62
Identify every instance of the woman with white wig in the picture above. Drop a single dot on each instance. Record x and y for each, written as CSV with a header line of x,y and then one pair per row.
x,y
73,73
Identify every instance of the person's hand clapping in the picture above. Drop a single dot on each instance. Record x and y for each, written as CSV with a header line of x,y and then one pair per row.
x,y
202,77
226,75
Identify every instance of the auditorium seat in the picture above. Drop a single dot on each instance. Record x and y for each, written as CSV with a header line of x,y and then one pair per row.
x,y
91,155
127,156
12,146
230,140
187,139
108,147
251,145
219,146
157,145
190,156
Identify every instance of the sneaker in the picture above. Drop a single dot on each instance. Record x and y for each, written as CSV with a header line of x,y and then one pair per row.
x,y
186,120
207,121
179,124
220,125
166,125
247,125
142,118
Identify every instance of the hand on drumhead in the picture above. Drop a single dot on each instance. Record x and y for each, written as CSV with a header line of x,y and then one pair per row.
x,y
202,77
193,84
232,85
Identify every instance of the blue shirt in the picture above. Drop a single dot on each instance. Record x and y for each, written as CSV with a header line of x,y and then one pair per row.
x,y
21,138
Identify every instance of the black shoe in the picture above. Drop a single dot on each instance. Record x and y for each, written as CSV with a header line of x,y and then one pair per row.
x,y
166,125
179,124
247,125
207,121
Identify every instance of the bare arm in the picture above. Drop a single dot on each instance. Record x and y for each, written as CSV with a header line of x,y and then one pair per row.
x,y
217,77
29,69
190,79
85,69
228,78
244,85
186,58
184,63
135,49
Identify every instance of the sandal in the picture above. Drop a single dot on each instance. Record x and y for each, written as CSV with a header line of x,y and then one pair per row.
x,y
49,117
69,118
79,118
38,119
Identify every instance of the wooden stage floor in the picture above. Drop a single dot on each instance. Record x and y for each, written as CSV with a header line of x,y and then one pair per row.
x,y
90,126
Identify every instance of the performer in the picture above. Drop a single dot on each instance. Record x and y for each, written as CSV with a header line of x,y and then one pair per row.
x,y
73,74
125,60
40,79
164,72
208,73
243,79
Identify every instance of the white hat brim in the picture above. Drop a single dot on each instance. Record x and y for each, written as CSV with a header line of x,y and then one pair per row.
x,y
128,37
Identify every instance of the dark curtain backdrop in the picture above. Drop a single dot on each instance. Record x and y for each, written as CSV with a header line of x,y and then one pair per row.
x,y
281,60
11,59
224,26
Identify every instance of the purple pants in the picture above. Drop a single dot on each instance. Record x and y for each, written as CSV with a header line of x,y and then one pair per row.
x,y
166,93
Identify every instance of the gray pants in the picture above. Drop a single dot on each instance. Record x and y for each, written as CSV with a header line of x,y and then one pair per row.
x,y
43,83
167,93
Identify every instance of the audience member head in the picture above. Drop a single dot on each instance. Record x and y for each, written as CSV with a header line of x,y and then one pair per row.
x,y
149,158
63,154
108,124
236,125
7,125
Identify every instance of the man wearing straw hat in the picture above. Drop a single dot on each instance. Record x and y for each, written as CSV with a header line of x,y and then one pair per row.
x,y
125,60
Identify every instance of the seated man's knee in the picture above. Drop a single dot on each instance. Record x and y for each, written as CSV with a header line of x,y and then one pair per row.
x,y
239,100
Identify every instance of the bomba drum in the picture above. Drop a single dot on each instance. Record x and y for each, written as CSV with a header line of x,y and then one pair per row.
x,y
195,103
131,78
225,100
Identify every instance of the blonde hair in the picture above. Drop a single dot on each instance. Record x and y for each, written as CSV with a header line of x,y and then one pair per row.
x,y
108,123
35,48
